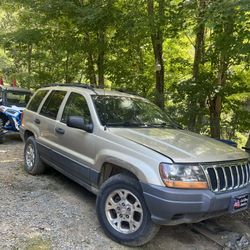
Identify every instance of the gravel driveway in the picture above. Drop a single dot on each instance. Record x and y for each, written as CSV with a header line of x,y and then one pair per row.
x,y
52,212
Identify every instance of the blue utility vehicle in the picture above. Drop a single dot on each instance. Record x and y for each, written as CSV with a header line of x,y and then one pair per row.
x,y
12,103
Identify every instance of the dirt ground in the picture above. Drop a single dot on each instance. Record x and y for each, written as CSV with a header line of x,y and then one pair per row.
x,y
52,212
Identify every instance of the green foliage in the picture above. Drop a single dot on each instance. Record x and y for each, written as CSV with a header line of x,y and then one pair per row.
x,y
85,40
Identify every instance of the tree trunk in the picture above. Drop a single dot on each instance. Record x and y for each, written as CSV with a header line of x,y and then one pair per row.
x,y
157,41
90,67
100,59
30,47
215,111
67,68
195,117
248,144
224,58
199,40
216,102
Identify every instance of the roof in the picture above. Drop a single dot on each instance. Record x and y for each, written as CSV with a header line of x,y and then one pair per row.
x,y
15,89
89,89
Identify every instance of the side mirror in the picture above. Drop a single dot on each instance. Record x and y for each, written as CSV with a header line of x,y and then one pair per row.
x,y
78,122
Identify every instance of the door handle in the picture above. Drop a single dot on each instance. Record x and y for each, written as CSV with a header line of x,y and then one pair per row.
x,y
60,130
37,121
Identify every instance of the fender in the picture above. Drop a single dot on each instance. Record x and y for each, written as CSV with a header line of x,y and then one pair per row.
x,y
141,169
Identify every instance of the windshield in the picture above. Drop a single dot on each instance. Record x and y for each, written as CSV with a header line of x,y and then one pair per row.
x,y
17,98
129,111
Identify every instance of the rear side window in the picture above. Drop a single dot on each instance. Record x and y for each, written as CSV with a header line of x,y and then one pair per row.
x,y
36,100
52,104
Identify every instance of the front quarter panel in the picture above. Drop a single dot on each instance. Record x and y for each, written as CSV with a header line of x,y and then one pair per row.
x,y
141,161
139,168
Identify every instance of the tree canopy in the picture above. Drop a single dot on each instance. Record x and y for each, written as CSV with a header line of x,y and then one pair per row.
x,y
191,57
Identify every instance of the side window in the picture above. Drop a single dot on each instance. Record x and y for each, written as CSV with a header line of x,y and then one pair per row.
x,y
36,100
76,106
52,104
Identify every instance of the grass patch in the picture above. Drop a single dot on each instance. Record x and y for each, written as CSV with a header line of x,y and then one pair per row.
x,y
37,243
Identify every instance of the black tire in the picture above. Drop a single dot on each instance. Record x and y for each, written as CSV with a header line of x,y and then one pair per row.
x,y
146,228
32,162
1,131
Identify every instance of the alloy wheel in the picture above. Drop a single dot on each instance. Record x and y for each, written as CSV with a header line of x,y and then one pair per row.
x,y
124,211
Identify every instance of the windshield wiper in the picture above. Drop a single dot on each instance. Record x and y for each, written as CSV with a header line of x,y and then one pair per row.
x,y
141,125
160,125
126,124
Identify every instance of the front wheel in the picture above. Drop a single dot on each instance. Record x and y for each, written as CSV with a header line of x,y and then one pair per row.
x,y
123,213
32,162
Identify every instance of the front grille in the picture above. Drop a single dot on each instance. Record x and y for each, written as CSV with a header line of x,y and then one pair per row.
x,y
223,177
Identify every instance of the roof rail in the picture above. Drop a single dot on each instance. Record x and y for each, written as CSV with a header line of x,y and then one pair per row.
x,y
77,85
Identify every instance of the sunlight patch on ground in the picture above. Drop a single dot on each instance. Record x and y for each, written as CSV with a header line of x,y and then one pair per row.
x,y
12,160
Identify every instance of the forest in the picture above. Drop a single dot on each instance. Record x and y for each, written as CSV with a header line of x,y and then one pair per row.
x,y
190,57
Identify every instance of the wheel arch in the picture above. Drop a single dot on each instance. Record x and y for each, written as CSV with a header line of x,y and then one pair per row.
x,y
110,169
27,134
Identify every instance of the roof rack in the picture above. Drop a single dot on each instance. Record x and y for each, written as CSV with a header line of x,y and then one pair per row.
x,y
77,85
11,88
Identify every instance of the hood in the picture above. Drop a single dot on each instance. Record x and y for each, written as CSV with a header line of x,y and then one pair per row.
x,y
20,109
12,108
181,145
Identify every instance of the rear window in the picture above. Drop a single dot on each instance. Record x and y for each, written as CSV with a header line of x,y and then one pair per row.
x,y
52,104
36,100
17,98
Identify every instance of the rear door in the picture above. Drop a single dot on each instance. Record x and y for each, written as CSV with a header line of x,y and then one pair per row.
x,y
46,122
30,113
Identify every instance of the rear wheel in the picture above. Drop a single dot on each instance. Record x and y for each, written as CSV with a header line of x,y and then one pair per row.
x,y
123,213
32,162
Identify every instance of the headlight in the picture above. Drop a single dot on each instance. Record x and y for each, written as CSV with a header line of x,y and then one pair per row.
x,y
183,176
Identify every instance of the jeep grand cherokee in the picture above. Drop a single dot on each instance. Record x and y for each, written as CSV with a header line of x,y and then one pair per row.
x,y
145,170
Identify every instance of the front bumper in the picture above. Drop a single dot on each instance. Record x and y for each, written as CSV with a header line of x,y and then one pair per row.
x,y
170,206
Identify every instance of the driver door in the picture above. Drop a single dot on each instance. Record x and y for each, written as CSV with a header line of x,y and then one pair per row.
x,y
76,146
